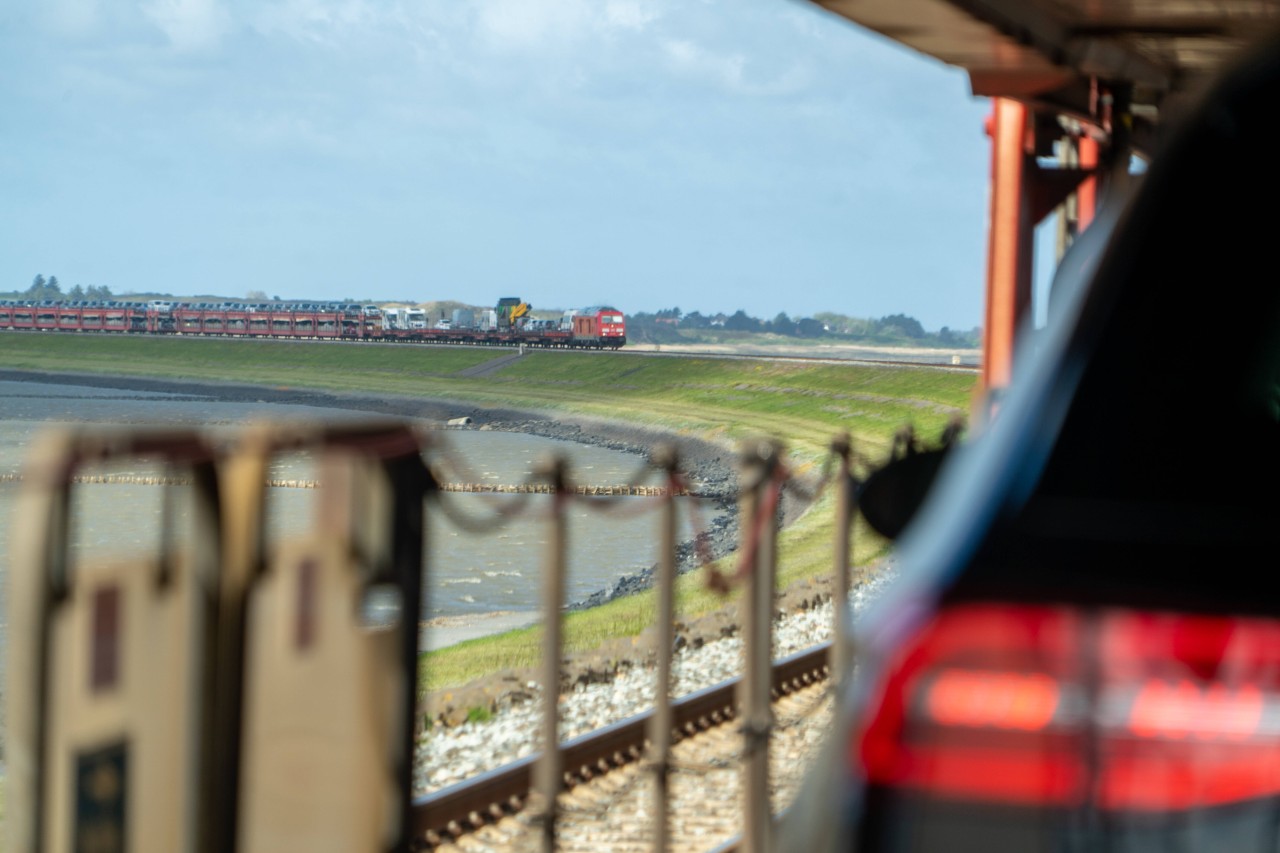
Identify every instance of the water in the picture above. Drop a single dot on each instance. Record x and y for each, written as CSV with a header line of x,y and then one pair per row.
x,y
489,580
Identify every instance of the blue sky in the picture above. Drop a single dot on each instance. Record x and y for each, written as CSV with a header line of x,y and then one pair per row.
x,y
710,154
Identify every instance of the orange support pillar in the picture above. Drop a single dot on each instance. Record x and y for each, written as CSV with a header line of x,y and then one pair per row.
x,y
1087,194
1010,232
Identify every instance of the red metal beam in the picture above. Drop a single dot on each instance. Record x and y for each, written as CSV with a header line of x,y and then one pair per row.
x,y
1087,195
1009,239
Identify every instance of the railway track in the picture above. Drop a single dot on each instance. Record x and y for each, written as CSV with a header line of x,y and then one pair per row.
x,y
807,359
533,347
496,810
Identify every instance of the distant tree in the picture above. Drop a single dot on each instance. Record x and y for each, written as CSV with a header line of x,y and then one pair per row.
x,y
842,324
901,324
810,328
256,296
742,322
949,337
645,328
42,288
95,291
694,320
275,298
782,324
76,292
668,314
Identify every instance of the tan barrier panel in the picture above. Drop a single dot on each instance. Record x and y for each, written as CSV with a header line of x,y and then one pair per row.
x,y
323,709
328,701
123,703
108,748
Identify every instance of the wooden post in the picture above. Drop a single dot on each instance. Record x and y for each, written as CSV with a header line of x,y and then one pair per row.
x,y
841,554
760,527
549,769
666,457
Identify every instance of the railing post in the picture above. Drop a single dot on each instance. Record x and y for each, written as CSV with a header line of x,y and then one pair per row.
x,y
760,528
549,770
666,457
840,657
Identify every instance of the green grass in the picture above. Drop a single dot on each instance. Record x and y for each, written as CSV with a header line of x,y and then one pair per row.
x,y
716,399
333,367
479,715
804,551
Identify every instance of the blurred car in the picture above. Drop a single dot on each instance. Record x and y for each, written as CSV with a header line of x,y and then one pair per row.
x,y
1083,648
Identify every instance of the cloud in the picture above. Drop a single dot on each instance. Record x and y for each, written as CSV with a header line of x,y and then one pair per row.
x,y
728,71
190,25
74,17
280,131
324,22
630,14
534,24
813,22
689,58
522,24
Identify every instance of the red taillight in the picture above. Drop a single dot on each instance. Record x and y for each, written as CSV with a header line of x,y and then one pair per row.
x,y
1187,710
1052,706
1000,700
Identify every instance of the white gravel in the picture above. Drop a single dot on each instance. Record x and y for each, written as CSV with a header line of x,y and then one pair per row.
x,y
450,755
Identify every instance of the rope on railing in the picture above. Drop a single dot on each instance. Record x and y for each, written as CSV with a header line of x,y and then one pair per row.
x,y
532,488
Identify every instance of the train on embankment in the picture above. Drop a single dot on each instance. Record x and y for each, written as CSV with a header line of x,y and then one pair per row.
x,y
509,324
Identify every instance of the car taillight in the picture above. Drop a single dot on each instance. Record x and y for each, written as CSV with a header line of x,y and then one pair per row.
x,y
1122,710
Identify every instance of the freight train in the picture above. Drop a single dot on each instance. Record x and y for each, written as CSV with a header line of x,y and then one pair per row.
x,y
509,324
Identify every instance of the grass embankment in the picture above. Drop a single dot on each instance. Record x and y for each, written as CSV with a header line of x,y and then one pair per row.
x,y
707,398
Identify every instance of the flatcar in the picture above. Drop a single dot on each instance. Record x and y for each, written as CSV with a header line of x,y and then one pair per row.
x,y
593,328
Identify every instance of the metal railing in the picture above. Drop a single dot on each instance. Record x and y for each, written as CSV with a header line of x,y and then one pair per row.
x,y
380,484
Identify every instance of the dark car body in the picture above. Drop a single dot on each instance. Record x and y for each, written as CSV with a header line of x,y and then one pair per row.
x,y
1083,649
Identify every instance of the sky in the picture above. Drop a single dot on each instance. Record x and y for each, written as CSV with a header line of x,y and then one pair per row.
x,y
711,155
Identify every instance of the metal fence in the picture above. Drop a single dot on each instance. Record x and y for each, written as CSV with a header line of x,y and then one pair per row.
x,y
265,654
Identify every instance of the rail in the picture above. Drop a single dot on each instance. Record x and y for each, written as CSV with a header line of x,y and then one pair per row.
x,y
448,814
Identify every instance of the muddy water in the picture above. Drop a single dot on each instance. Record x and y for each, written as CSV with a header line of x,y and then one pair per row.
x,y
475,582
